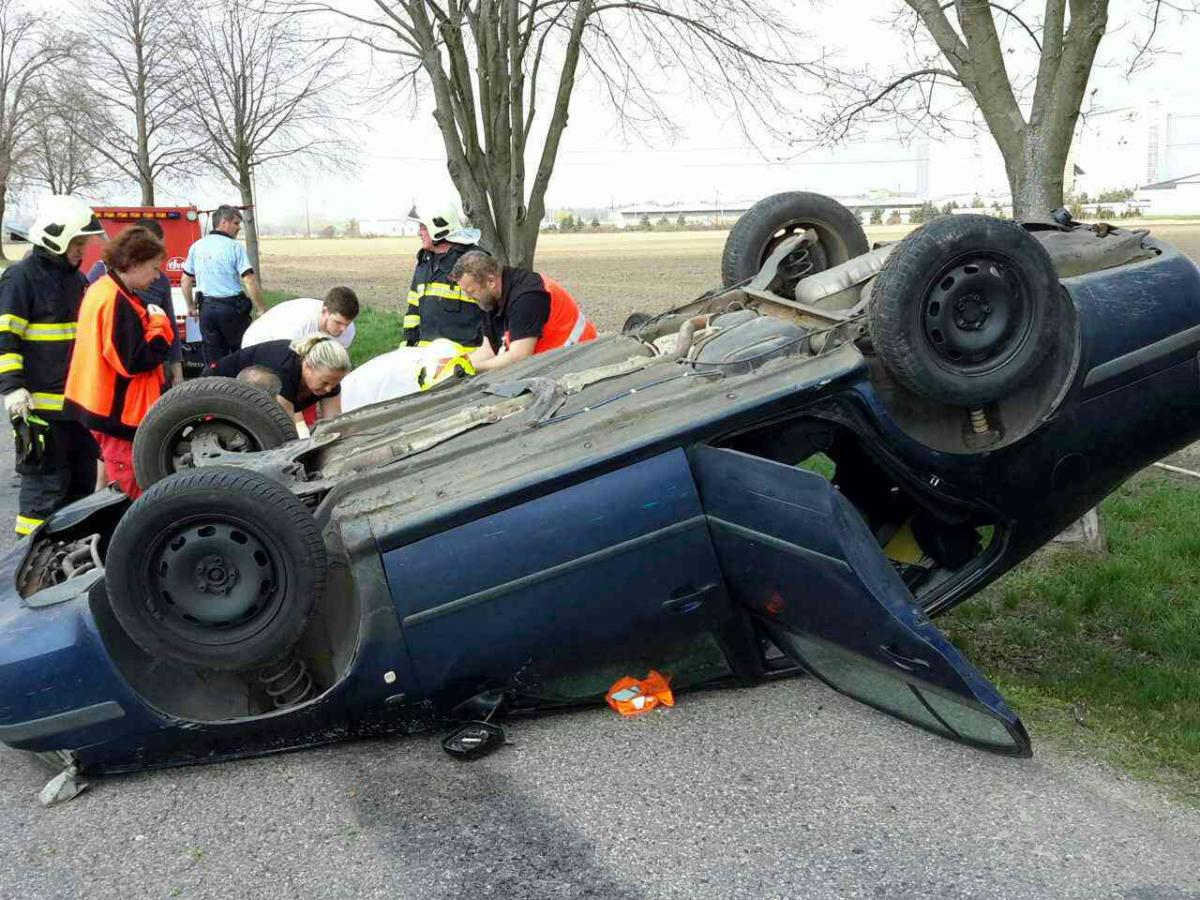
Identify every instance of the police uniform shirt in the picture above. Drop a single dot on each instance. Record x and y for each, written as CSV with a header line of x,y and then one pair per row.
x,y
523,310
291,320
218,262
279,357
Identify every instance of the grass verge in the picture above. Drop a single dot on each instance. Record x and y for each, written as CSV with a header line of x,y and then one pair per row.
x,y
1103,654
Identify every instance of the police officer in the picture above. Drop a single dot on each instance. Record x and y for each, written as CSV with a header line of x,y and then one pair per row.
x,y
437,307
219,270
39,304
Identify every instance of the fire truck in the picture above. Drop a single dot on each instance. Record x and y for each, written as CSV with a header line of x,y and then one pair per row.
x,y
181,228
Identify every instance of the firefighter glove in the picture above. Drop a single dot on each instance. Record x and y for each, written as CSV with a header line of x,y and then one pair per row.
x,y
436,371
18,403
30,433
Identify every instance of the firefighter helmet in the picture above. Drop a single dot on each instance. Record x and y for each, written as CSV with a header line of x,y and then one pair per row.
x,y
60,219
443,224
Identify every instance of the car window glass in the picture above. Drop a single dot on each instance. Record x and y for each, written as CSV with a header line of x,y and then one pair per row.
x,y
853,676
970,724
685,664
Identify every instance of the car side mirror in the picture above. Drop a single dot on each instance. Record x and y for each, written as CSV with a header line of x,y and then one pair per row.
x,y
473,740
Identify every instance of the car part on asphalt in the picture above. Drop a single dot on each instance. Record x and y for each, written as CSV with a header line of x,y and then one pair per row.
x,y
473,740
218,568
768,222
240,417
965,309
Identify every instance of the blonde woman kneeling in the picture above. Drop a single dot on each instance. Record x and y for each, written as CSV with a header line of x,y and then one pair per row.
x,y
310,370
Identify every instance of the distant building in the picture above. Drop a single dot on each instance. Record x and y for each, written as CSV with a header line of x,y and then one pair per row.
x,y
889,206
1173,197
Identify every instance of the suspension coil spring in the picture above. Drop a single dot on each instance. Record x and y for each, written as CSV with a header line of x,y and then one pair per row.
x,y
979,421
287,681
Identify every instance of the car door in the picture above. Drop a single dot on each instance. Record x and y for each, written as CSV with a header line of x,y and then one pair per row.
x,y
797,555
557,597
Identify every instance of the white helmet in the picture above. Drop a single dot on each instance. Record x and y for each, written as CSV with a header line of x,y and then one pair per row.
x,y
60,219
443,224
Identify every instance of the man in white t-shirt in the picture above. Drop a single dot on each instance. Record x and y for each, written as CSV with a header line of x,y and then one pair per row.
x,y
294,319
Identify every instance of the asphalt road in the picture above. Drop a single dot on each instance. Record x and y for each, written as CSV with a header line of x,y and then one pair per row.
x,y
786,790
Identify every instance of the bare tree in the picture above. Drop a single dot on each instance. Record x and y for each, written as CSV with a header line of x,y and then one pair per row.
x,y
491,63
29,52
137,73
968,54
60,157
258,92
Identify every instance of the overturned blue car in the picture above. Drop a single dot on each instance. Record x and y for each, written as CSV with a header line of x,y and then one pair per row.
x,y
793,473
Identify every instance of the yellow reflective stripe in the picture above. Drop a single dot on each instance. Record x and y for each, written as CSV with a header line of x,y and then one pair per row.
x,y
53,402
25,524
409,322
57,331
15,324
446,291
414,297
11,362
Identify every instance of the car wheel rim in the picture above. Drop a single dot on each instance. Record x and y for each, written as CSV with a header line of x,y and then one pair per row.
x,y
977,315
214,580
180,448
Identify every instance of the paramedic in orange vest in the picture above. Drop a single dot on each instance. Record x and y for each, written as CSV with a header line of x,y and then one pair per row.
x,y
117,369
524,312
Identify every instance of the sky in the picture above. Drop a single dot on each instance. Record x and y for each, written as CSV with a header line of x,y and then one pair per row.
x,y
402,157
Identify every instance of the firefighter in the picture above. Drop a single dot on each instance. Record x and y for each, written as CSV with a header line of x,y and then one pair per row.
x,y
117,369
524,312
437,308
39,303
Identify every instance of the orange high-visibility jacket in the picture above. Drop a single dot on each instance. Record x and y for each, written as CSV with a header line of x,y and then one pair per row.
x,y
116,370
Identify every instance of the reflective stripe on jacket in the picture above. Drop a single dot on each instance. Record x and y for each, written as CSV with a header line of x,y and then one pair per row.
x,y
437,306
39,304
567,324
116,372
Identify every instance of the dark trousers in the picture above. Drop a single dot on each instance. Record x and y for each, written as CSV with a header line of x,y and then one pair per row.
x,y
222,324
65,473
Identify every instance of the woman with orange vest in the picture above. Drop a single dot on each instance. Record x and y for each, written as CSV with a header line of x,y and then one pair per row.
x,y
117,368
524,312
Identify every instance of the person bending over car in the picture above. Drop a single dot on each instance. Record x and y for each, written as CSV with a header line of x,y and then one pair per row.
x,y
294,319
524,312
121,344
310,371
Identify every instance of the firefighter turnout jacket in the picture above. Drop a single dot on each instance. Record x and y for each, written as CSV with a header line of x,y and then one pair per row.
x,y
39,304
116,372
437,306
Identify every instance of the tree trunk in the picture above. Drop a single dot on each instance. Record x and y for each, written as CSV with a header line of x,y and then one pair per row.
x,y
1037,177
246,186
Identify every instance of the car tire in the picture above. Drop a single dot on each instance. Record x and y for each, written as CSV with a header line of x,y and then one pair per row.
x,y
218,569
760,229
243,416
965,309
